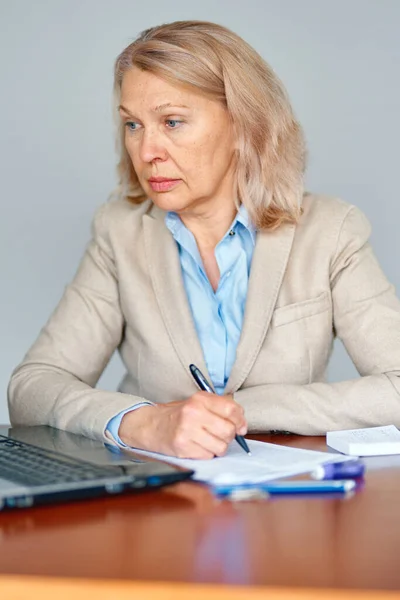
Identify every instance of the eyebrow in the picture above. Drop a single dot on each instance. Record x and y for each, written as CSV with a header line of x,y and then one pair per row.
x,y
158,108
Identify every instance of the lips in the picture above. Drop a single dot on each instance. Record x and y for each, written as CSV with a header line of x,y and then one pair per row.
x,y
160,179
163,184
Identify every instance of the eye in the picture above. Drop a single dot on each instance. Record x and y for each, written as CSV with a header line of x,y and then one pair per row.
x,y
173,123
132,126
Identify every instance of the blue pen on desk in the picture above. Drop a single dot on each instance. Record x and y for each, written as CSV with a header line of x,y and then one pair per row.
x,y
349,469
288,487
206,387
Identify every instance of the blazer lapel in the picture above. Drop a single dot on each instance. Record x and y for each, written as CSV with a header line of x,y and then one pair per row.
x,y
271,254
166,276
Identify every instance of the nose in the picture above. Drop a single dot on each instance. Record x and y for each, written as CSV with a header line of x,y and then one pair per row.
x,y
151,146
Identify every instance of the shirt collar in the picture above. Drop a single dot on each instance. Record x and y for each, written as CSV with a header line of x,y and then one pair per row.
x,y
242,217
176,226
173,222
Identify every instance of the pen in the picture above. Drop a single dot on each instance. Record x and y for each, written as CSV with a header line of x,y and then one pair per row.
x,y
205,386
288,487
350,469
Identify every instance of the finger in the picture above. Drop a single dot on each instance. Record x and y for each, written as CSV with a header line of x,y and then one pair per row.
x,y
211,443
208,410
243,429
219,427
189,448
226,408
223,429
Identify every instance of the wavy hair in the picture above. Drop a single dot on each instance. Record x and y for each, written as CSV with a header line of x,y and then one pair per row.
x,y
270,159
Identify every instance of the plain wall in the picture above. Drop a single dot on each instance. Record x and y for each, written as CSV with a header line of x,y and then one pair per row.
x,y
339,61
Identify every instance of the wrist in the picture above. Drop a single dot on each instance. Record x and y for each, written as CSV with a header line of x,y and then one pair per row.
x,y
134,426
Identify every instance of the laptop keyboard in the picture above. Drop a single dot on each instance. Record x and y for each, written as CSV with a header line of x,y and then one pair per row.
x,y
28,465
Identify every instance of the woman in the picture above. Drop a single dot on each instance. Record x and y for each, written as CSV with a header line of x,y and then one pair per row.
x,y
212,254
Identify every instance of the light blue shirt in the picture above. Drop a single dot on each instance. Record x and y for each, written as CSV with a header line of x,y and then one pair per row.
x,y
218,316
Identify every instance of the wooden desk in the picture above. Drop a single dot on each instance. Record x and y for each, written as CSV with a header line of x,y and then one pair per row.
x,y
183,534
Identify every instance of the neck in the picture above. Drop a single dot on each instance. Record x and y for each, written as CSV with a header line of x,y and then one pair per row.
x,y
209,226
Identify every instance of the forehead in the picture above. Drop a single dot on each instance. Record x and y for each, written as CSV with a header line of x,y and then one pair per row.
x,y
144,88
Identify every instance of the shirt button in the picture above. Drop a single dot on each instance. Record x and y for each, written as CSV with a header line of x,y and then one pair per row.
x,y
228,274
231,232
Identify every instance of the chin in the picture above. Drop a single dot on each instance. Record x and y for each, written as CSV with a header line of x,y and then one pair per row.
x,y
166,201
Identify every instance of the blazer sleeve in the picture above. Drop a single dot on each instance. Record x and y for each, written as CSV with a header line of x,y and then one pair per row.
x,y
366,317
54,384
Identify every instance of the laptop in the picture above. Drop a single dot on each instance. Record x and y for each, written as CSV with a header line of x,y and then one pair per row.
x,y
44,465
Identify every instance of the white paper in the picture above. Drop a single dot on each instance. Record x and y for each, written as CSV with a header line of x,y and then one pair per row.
x,y
371,441
267,461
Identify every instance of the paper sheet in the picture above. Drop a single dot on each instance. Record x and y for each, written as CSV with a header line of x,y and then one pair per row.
x,y
267,461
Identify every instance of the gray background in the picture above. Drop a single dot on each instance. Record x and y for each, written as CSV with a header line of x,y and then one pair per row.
x,y
338,59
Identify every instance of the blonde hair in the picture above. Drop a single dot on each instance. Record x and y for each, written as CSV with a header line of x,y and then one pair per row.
x,y
217,62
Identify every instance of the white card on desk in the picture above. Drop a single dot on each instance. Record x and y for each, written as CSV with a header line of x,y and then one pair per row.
x,y
372,441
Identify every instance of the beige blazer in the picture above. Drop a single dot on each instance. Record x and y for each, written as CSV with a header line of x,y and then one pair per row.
x,y
307,284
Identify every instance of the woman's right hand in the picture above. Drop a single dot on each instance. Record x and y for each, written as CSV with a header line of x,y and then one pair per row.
x,y
200,427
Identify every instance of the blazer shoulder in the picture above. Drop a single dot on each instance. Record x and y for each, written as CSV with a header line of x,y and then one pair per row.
x,y
117,215
328,212
322,206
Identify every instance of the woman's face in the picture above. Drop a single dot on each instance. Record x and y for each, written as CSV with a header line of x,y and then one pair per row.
x,y
181,143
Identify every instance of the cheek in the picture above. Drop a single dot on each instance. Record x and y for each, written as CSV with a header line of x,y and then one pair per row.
x,y
196,162
131,150
202,156
215,156
137,163
220,144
